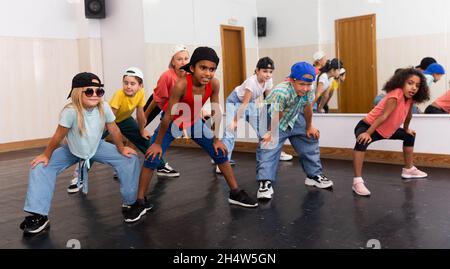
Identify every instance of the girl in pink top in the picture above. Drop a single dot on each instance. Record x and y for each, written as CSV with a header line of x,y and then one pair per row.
x,y
160,97
440,105
406,87
161,93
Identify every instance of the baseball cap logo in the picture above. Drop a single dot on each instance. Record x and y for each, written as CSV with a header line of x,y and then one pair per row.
x,y
308,76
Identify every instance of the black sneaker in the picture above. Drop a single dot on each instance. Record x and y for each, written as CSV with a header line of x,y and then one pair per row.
x,y
167,171
319,181
73,187
34,224
241,198
147,204
115,176
136,211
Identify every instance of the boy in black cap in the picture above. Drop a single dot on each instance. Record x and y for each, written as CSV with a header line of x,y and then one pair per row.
x,y
425,62
184,111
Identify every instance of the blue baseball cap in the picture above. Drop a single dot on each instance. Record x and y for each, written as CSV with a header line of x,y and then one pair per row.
x,y
303,71
434,68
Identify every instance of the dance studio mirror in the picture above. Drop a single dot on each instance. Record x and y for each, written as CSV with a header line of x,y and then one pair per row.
x,y
372,38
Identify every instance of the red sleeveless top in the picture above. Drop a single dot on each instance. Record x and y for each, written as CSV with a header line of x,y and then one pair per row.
x,y
184,120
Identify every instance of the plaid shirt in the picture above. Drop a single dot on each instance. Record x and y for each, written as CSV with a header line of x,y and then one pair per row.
x,y
283,98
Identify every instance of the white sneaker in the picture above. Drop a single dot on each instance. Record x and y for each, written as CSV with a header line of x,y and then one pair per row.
x,y
413,173
285,157
73,187
265,190
218,170
319,181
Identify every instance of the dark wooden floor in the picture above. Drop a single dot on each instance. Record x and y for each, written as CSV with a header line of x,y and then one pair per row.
x,y
192,211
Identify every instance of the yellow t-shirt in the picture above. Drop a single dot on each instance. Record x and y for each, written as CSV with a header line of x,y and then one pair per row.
x,y
334,85
125,104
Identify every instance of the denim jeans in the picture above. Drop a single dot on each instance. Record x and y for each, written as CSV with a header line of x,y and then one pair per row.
x,y
42,180
251,115
306,148
198,132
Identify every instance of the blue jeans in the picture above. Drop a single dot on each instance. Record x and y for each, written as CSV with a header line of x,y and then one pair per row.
x,y
198,132
42,180
251,115
306,148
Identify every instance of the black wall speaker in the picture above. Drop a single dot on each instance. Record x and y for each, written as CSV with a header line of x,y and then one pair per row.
x,y
94,9
262,26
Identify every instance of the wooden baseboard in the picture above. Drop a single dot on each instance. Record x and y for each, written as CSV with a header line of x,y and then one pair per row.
x,y
28,144
376,156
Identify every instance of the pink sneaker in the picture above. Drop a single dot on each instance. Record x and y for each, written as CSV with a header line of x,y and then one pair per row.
x,y
359,187
413,172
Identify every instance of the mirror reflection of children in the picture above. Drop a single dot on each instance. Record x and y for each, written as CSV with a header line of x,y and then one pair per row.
x,y
433,73
323,81
319,60
440,106
335,84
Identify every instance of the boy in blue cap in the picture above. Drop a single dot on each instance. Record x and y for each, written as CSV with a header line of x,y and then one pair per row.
x,y
433,73
292,100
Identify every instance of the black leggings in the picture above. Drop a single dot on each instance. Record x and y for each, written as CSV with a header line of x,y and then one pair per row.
x,y
400,134
155,112
434,110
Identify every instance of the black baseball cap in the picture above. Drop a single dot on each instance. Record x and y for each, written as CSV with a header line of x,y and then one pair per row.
x,y
84,79
265,63
426,62
200,54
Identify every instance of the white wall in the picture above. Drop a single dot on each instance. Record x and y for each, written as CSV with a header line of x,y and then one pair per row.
x,y
290,23
42,45
395,18
194,22
122,35
46,19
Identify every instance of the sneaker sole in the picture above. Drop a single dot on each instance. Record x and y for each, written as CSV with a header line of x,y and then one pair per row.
x,y
40,229
231,163
265,195
167,175
138,217
71,191
311,182
409,177
233,202
286,159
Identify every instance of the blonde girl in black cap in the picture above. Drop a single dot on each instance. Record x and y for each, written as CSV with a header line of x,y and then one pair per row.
x,y
82,123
